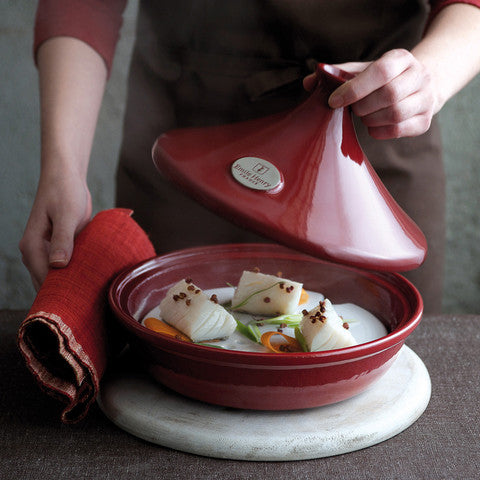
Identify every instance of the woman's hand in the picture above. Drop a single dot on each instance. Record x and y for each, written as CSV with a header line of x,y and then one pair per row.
x,y
397,95
62,207
393,96
72,79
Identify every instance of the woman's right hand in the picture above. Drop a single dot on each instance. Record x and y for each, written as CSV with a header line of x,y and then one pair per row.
x,y
62,207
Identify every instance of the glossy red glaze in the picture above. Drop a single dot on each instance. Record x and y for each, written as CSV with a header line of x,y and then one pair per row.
x,y
330,203
256,380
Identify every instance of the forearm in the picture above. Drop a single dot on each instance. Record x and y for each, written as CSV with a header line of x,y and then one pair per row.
x,y
72,81
450,50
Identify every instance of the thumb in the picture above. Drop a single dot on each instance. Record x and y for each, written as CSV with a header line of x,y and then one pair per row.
x,y
310,82
61,245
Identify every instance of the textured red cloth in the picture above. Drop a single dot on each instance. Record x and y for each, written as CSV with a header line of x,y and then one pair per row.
x,y
65,339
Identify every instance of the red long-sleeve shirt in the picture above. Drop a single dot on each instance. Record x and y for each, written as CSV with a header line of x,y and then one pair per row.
x,y
98,23
95,22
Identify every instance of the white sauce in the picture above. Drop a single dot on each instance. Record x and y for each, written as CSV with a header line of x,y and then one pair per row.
x,y
364,326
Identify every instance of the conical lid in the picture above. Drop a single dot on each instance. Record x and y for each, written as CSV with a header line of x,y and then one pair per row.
x,y
299,178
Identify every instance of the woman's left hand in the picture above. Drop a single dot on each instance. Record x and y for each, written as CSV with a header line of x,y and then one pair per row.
x,y
394,96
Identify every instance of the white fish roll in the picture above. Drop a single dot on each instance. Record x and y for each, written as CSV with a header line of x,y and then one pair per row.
x,y
261,294
323,329
191,311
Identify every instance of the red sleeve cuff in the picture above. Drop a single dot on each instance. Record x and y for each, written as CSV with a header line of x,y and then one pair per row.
x,y
95,22
437,5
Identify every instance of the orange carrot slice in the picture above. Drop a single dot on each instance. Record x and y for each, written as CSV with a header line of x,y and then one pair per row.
x,y
281,343
303,297
161,327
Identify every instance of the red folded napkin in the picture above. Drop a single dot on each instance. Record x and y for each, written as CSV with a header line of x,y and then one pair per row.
x,y
64,338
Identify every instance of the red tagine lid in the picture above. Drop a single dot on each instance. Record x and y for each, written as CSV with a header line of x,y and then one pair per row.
x,y
299,178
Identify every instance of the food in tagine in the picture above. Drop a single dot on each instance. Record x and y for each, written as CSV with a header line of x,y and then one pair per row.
x,y
262,294
323,329
198,316
190,314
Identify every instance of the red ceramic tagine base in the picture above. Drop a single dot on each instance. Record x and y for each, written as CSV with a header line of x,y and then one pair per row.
x,y
264,381
300,178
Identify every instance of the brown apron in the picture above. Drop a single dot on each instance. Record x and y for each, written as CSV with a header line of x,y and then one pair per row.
x,y
211,62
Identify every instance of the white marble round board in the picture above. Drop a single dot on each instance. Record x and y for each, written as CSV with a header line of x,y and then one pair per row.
x,y
146,409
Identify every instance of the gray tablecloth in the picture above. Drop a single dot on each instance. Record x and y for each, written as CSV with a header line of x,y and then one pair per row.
x,y
443,444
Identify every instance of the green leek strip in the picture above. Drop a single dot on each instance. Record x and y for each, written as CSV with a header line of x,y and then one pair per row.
x,y
209,345
241,304
290,320
301,339
252,332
